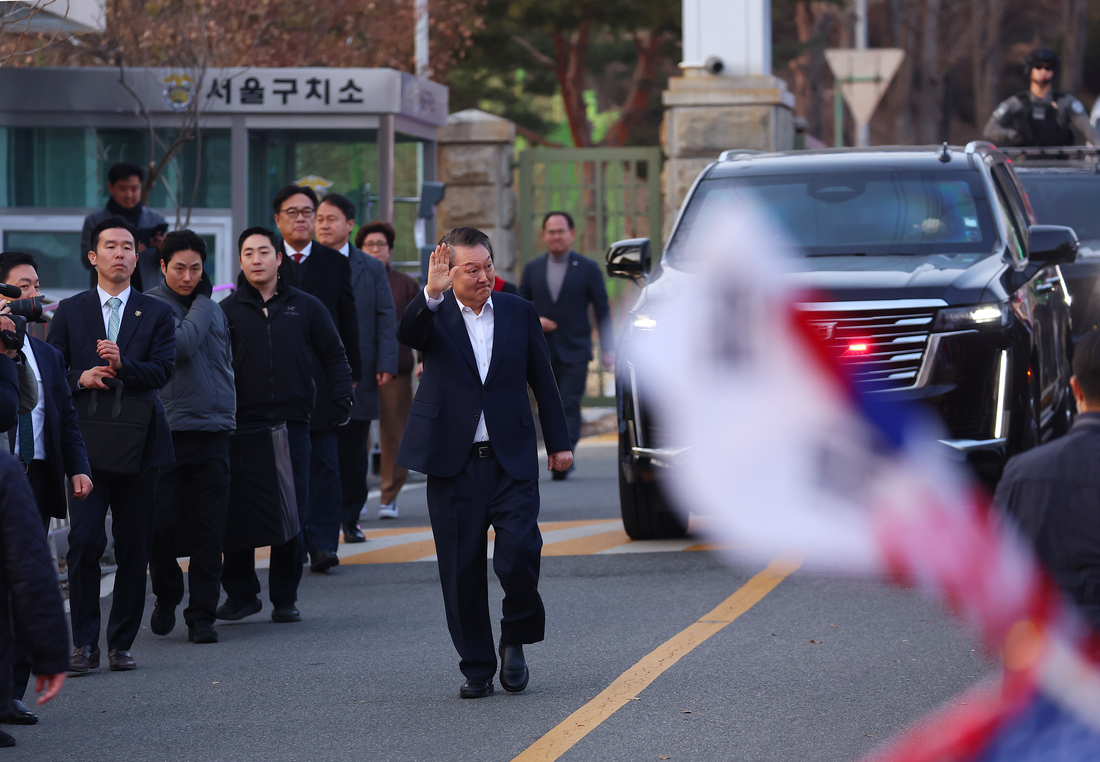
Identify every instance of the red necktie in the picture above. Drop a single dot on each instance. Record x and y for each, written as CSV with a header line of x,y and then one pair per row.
x,y
298,258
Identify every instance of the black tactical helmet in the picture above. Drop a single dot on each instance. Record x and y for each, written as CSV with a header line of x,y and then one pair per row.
x,y
1042,55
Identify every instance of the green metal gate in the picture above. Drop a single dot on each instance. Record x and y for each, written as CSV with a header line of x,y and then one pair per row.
x,y
611,193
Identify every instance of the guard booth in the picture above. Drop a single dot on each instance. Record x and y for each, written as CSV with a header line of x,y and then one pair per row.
x,y
369,134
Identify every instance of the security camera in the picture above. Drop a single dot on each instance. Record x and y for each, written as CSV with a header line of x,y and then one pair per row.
x,y
714,65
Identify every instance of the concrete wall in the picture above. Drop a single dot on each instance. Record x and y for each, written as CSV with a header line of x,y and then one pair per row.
x,y
476,152
706,114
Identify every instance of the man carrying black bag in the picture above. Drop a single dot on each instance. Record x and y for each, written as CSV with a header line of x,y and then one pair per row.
x,y
116,341
277,332
193,495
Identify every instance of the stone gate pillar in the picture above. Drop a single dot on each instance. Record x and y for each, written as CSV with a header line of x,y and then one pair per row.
x,y
476,153
727,97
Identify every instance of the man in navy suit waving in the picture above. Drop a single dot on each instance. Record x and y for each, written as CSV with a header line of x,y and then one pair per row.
x,y
114,331
471,431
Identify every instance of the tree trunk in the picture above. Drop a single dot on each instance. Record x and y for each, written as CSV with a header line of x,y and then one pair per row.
x,y
931,87
641,87
1074,36
570,69
985,23
814,23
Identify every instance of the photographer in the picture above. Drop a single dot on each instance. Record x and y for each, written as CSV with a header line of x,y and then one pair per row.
x,y
46,440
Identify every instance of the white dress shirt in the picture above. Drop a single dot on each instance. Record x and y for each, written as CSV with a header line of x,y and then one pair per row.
x,y
480,330
103,297
38,415
290,252
346,249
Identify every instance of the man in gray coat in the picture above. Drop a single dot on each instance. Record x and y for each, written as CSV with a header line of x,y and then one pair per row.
x,y
200,400
377,350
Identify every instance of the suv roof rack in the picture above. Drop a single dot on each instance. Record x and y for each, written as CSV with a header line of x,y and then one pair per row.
x,y
974,145
736,153
1052,152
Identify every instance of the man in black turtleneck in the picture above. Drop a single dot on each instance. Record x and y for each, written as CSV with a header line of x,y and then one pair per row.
x,y
124,183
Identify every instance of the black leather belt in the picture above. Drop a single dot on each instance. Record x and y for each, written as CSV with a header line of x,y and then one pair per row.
x,y
481,450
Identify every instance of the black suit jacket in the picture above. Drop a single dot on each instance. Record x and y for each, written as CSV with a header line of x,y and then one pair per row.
x,y
583,285
65,453
146,342
445,413
9,393
326,274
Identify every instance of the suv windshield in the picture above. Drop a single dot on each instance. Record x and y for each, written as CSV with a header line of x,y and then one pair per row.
x,y
895,212
1065,199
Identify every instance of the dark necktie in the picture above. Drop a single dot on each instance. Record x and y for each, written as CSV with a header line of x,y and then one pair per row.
x,y
26,438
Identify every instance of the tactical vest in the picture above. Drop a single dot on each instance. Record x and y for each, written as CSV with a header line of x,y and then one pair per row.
x,y
1045,121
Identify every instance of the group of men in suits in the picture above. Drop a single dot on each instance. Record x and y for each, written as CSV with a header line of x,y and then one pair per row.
x,y
481,349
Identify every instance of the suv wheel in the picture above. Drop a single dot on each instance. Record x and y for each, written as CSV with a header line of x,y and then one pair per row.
x,y
646,514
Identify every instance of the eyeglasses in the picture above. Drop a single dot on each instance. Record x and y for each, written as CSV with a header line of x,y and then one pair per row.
x,y
375,245
305,214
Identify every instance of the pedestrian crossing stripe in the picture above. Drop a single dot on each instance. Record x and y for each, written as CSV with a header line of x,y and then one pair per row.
x,y
560,538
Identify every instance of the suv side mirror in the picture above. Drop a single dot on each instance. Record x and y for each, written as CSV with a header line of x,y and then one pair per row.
x,y
1052,244
629,258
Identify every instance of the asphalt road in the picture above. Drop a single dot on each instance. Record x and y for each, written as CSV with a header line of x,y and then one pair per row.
x,y
820,668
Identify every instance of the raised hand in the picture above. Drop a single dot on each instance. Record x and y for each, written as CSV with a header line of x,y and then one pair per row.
x,y
439,271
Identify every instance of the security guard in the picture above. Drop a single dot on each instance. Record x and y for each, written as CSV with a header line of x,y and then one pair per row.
x,y
1041,116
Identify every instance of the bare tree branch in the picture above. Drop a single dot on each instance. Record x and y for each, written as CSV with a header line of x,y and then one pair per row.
x,y
537,54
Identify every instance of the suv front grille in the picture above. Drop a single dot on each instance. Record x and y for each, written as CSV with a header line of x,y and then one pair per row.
x,y
883,349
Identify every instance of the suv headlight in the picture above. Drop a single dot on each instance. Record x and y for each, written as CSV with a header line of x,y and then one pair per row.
x,y
980,317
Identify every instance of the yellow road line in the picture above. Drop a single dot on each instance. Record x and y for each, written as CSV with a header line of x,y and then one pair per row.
x,y
395,554
583,546
636,679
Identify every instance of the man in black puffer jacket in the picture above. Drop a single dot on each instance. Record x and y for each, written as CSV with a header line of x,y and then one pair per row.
x,y
1053,492
30,599
278,332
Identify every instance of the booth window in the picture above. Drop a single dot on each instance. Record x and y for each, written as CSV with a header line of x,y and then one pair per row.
x,y
67,167
335,161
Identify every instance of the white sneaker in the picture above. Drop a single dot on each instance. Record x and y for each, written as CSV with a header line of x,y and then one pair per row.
x,y
387,511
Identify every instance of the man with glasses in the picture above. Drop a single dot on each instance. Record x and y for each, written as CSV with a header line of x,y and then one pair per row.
x,y
1041,116
321,272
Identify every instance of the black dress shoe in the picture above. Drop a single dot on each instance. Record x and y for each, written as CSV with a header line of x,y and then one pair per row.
x,y
475,688
284,614
323,560
238,608
6,740
163,619
83,660
120,661
20,715
513,668
202,632
352,533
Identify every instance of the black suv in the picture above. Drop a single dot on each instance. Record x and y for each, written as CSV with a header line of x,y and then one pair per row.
x,y
935,285
1063,185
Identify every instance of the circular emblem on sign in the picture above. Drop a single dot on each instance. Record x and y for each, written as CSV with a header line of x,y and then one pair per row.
x,y
179,91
